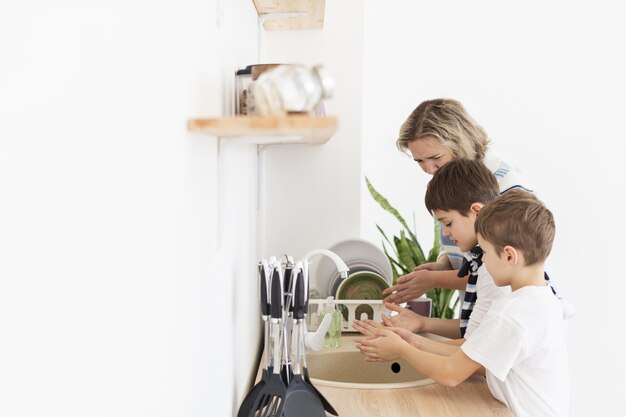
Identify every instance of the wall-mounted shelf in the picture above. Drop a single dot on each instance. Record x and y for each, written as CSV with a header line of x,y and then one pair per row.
x,y
314,19
269,130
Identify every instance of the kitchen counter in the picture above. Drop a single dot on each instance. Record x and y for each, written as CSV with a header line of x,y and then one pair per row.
x,y
470,398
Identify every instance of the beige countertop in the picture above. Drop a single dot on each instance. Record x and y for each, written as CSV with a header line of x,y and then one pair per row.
x,y
470,398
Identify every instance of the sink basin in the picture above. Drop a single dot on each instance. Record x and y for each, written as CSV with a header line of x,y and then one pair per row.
x,y
348,369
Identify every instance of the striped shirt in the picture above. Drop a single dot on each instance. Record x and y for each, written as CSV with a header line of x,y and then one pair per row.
x,y
508,178
471,263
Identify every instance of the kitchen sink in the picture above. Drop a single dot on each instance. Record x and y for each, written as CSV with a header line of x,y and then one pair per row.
x,y
347,368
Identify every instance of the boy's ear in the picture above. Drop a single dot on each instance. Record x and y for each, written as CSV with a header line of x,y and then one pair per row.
x,y
511,255
476,207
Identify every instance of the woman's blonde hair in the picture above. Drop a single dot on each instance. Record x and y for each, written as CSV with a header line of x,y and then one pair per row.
x,y
448,121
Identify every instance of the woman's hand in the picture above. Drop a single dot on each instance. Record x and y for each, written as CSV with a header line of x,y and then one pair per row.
x,y
405,319
431,266
382,345
410,286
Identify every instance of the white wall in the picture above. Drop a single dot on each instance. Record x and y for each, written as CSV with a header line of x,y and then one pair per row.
x,y
111,300
545,79
318,186
127,246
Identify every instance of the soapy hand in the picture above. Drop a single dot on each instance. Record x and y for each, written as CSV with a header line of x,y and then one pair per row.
x,y
368,328
405,318
380,345
413,284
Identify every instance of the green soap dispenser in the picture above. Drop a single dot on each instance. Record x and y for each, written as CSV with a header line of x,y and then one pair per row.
x,y
332,339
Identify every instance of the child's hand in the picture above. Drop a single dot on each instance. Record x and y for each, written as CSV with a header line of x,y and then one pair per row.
x,y
405,334
383,345
405,318
367,327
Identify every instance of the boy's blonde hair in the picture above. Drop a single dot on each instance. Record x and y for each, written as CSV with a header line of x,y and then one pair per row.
x,y
518,219
448,121
459,184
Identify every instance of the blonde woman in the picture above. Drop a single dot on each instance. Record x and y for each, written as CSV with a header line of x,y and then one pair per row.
x,y
435,133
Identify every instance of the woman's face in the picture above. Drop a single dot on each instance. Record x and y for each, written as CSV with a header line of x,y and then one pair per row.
x,y
429,153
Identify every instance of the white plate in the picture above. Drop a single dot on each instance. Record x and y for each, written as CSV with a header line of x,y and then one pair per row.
x,y
352,251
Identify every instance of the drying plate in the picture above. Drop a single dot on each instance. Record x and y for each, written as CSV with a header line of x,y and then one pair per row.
x,y
364,285
351,251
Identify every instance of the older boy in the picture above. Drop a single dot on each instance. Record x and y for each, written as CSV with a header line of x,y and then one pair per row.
x,y
520,342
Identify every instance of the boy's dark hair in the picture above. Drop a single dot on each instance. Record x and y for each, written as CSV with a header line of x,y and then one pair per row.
x,y
459,184
518,219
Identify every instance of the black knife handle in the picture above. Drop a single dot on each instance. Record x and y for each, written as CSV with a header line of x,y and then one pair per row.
x,y
287,278
276,299
265,305
298,310
305,281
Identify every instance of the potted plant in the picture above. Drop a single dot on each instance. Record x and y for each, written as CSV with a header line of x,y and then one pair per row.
x,y
407,253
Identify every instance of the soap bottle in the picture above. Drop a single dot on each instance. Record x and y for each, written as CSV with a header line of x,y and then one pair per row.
x,y
332,338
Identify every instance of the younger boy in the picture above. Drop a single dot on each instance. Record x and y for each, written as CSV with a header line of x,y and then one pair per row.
x,y
520,342
455,195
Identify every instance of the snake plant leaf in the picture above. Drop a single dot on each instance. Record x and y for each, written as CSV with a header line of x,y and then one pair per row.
x,y
401,268
404,253
387,239
417,254
408,253
442,301
449,312
395,266
434,252
384,203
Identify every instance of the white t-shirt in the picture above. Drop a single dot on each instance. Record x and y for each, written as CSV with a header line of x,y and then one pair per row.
x,y
521,344
486,293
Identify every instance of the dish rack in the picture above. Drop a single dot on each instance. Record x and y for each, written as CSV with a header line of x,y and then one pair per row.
x,y
356,310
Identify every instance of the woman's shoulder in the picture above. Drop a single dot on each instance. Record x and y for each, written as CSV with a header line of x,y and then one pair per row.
x,y
508,176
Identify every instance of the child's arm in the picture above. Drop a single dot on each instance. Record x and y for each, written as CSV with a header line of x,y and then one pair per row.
x,y
407,319
418,282
449,328
368,328
386,345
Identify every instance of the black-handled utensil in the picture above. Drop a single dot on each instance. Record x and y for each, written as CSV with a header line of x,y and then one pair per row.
x,y
301,400
271,399
248,401
327,405
286,371
276,295
299,297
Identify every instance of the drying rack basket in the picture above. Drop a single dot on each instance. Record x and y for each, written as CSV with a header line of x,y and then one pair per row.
x,y
351,310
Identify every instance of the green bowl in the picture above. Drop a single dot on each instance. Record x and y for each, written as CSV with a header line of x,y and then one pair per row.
x,y
364,285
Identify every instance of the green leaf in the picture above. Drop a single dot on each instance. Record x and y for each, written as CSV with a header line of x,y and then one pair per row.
x,y
384,203
416,253
434,252
404,252
407,253
387,239
394,265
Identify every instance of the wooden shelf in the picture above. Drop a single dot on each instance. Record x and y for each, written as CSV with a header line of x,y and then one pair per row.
x,y
269,130
313,20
